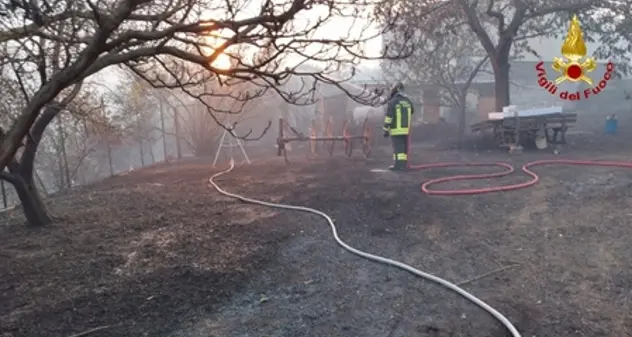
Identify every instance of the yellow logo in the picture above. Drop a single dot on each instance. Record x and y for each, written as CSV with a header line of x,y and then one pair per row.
x,y
574,50
573,66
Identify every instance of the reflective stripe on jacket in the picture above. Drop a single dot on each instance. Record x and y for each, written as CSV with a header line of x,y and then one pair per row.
x,y
399,111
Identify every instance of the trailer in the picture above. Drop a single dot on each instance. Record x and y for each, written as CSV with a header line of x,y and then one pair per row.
x,y
513,131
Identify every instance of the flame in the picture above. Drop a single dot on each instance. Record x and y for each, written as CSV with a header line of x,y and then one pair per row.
x,y
574,47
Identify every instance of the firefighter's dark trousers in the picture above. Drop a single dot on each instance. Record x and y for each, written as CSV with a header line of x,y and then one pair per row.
x,y
400,152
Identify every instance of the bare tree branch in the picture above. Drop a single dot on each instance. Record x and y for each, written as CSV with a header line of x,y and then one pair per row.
x,y
177,44
503,28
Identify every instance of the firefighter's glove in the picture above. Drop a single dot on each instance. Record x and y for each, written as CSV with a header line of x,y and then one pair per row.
x,y
386,134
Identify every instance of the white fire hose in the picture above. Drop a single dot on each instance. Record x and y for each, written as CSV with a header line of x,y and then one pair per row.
x,y
503,320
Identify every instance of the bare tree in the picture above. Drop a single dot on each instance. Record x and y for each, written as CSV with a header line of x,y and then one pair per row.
x,y
445,63
21,170
139,107
503,27
72,139
51,47
108,128
199,130
86,114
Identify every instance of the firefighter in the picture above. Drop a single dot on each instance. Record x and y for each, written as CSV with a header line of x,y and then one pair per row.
x,y
397,121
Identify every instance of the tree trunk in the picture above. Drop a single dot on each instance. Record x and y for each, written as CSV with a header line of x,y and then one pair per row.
x,y
501,85
67,178
142,154
500,64
21,174
35,200
61,182
462,119
4,195
151,152
32,204
23,180
109,149
64,174
176,125
162,128
39,181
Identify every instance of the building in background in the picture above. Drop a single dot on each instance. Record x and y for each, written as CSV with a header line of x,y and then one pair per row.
x,y
524,90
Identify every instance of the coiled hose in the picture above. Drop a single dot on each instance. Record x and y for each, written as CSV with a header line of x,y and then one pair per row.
x,y
425,187
366,255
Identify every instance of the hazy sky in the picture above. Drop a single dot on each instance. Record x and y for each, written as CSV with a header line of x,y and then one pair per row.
x,y
339,27
336,27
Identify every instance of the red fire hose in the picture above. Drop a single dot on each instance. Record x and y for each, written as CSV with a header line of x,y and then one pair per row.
x,y
425,187
508,169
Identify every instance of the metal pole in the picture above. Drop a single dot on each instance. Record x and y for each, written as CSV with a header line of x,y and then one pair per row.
x,y
243,151
219,147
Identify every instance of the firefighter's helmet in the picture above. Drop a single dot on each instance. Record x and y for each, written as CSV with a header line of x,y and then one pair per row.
x,y
398,87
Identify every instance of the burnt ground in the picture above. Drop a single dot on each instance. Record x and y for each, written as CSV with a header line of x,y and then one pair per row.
x,y
158,253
